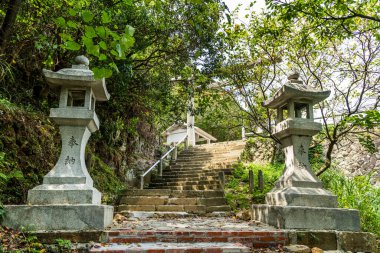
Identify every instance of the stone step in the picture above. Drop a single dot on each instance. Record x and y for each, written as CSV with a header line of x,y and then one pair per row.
x,y
189,187
195,169
207,157
174,193
165,200
184,183
222,208
219,145
248,237
182,176
199,209
193,163
185,174
203,164
172,178
198,173
184,179
167,247
211,151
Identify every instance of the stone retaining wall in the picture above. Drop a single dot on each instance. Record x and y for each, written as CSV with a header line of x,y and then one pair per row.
x,y
258,150
353,159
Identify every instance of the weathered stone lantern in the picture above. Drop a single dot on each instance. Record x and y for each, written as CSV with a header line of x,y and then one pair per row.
x,y
298,200
67,199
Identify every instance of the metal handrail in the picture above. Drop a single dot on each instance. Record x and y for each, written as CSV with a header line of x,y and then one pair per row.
x,y
160,161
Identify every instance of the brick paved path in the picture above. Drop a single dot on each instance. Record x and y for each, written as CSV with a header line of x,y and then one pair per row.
x,y
188,234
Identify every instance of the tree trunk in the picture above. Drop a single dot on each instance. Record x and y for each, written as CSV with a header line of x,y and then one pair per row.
x,y
328,158
9,20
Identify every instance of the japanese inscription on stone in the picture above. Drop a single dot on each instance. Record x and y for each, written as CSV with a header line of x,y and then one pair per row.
x,y
72,142
69,160
302,150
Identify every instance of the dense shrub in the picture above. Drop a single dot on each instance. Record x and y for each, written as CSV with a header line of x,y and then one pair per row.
x,y
356,193
237,187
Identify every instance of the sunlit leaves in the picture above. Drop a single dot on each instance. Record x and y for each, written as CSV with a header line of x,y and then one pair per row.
x,y
129,30
90,32
72,12
60,22
101,31
87,16
103,45
71,24
106,18
95,33
102,72
72,45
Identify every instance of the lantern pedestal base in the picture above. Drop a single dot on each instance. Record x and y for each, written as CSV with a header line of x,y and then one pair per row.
x,y
64,194
302,217
301,196
58,217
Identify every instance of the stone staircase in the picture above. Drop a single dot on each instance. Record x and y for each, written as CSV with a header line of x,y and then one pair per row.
x,y
190,184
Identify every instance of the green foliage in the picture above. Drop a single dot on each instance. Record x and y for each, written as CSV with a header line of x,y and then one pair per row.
x,y
316,156
63,245
5,69
237,186
216,118
106,180
329,18
356,193
19,241
367,122
367,142
28,150
143,44
82,28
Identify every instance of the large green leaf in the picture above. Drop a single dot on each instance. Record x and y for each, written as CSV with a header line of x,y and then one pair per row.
x,y
66,37
102,72
3,177
106,18
94,50
71,24
87,42
103,45
87,16
72,12
17,174
61,22
129,30
101,31
102,57
126,42
118,50
90,32
72,45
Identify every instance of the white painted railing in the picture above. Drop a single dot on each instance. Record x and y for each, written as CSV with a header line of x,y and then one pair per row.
x,y
160,162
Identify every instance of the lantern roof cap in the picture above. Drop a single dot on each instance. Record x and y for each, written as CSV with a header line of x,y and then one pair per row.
x,y
78,76
297,90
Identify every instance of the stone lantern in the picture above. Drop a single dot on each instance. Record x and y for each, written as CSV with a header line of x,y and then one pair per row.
x,y
67,199
298,200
